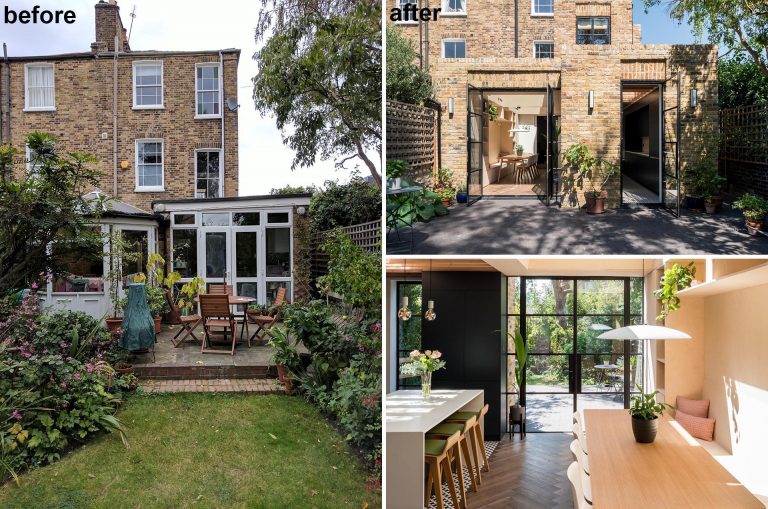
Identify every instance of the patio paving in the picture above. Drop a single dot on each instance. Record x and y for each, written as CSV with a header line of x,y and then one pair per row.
x,y
247,385
513,227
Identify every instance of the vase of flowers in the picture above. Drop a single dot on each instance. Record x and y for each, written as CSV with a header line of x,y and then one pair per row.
x,y
423,365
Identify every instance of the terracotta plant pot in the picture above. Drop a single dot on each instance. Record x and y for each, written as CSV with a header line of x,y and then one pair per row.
x,y
285,379
114,324
710,207
645,430
447,202
595,204
124,370
754,227
158,327
717,201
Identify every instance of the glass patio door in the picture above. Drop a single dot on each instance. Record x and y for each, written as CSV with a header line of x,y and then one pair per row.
x,y
552,163
671,147
475,125
245,274
215,254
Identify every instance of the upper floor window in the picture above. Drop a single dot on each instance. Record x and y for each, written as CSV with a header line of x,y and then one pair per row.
x,y
40,89
454,48
147,85
454,7
593,30
544,49
402,4
542,7
149,165
207,174
207,102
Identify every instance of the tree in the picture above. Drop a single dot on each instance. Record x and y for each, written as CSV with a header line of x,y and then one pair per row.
x,y
406,82
741,83
741,25
278,191
320,76
43,214
345,204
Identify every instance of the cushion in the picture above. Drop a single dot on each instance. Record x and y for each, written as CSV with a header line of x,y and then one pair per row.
x,y
695,407
462,416
434,447
699,427
446,428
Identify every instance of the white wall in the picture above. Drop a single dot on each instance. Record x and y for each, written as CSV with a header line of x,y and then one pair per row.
x,y
527,139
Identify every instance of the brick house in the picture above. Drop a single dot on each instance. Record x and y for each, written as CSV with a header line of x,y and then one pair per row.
x,y
164,128
559,73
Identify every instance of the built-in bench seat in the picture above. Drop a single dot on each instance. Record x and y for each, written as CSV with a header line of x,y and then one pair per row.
x,y
751,475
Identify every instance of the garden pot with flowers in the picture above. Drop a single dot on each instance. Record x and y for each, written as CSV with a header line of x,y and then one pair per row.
x,y
285,357
423,365
444,187
754,209
120,253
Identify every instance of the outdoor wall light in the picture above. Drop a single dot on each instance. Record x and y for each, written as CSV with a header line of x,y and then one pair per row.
x,y
591,100
450,105
694,97
301,211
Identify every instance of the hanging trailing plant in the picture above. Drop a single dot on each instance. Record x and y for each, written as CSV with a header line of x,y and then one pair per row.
x,y
674,279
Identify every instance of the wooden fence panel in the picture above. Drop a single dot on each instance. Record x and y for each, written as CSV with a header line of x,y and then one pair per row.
x,y
744,148
411,137
365,235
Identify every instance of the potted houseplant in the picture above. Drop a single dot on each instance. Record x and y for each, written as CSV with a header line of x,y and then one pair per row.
x,y
444,186
517,410
645,412
675,278
285,356
754,209
119,252
519,149
587,168
461,194
707,184
493,112
423,365
395,171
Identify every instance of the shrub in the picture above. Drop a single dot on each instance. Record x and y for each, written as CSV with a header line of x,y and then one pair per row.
x,y
406,82
355,202
752,206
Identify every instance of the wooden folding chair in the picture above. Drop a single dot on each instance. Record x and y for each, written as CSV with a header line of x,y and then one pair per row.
x,y
215,313
355,317
279,297
188,323
263,324
222,289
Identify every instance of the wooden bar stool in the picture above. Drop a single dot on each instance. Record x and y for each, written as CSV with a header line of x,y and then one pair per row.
x,y
436,457
478,441
466,429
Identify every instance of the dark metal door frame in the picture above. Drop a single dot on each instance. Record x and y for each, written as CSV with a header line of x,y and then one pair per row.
x,y
671,179
474,167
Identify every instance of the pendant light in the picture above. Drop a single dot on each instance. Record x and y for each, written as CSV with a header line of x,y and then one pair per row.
x,y
404,313
640,332
429,314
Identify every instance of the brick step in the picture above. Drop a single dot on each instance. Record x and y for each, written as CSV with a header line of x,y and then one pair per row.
x,y
242,385
202,372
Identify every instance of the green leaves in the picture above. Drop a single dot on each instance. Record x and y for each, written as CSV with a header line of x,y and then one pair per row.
x,y
674,279
645,406
406,82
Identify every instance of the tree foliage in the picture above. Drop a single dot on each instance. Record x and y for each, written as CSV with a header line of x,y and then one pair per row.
x,y
320,76
741,83
345,204
42,212
741,25
280,191
406,82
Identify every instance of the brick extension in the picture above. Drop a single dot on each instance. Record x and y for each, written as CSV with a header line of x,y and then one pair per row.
x,y
246,385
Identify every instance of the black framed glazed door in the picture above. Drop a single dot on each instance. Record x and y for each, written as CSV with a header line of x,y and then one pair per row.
x,y
671,146
474,144
552,178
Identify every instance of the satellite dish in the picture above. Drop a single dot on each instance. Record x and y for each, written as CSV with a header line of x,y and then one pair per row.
x,y
232,104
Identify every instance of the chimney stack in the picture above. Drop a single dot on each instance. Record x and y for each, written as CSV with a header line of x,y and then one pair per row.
x,y
109,25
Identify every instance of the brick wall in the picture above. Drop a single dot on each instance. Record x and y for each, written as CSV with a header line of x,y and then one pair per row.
x,y
84,99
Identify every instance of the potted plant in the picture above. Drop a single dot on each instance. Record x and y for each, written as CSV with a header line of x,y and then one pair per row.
x,y
754,209
444,186
119,252
395,171
285,356
461,194
423,365
707,184
587,168
123,367
493,112
517,410
675,278
519,149
645,412
158,305
258,309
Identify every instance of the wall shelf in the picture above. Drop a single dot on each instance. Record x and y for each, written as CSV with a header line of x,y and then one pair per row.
x,y
747,278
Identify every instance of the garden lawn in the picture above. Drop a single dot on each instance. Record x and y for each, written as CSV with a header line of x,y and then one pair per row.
x,y
205,450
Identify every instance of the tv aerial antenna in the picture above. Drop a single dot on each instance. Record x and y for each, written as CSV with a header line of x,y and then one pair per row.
x,y
133,16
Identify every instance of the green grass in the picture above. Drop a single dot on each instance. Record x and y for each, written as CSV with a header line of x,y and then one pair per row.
x,y
205,450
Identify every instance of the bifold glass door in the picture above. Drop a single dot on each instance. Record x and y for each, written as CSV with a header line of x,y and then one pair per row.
x,y
245,276
215,248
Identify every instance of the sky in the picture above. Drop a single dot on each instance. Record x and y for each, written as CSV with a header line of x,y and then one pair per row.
x,y
658,28
265,163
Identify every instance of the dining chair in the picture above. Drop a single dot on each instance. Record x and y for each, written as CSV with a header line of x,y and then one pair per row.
x,y
216,314
263,324
579,456
188,322
578,435
577,490
466,430
439,467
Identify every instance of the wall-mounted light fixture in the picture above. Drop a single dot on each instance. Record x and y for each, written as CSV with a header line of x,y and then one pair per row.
x,y
450,105
694,98
591,100
301,211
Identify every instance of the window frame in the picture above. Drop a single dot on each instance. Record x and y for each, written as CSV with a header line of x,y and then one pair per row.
x,y
217,66
142,63
448,14
442,47
221,176
150,189
589,36
50,65
399,5
542,14
544,42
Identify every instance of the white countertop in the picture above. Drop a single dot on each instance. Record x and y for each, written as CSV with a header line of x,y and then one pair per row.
x,y
409,412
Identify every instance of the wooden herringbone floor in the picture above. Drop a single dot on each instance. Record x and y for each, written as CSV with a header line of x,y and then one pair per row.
x,y
527,474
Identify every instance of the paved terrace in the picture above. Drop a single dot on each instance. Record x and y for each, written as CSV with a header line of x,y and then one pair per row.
x,y
513,227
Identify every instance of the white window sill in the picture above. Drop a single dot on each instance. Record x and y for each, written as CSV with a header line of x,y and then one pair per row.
x,y
161,107
543,15
205,117
453,14
47,108
159,189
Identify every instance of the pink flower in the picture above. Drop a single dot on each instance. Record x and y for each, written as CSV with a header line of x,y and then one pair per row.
x,y
89,367
34,286
377,327
16,415
347,338
76,376
63,385
361,348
